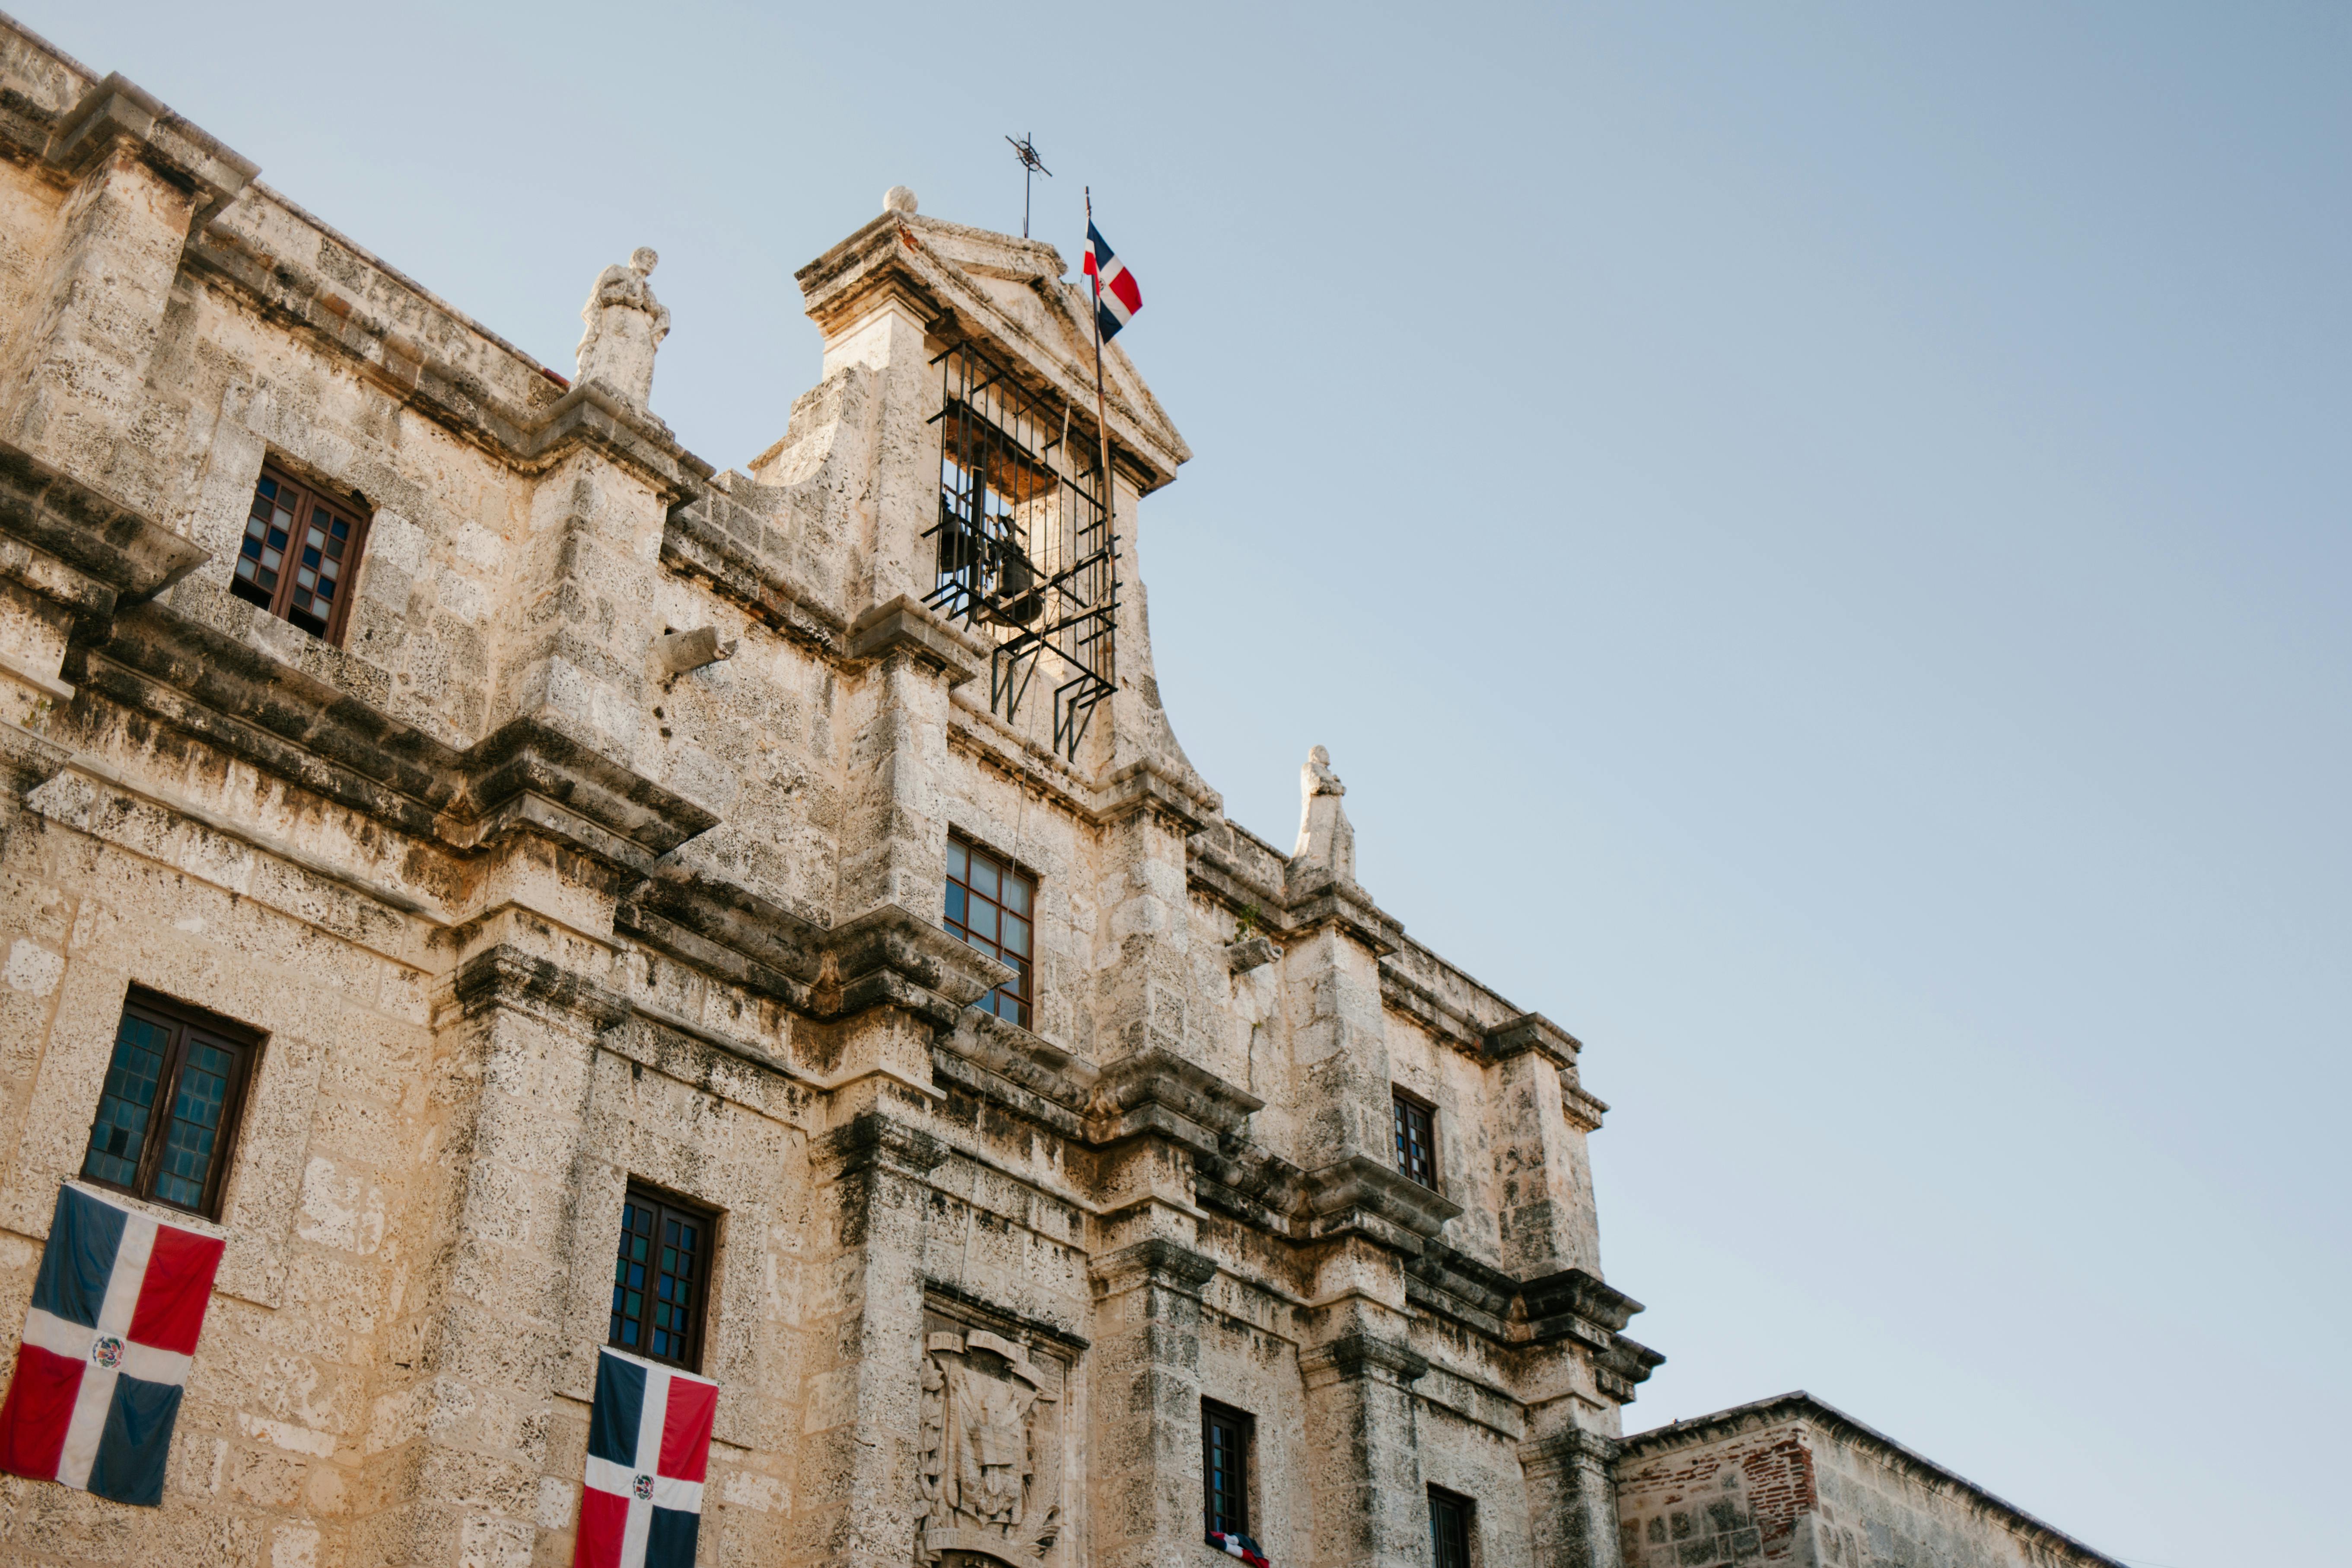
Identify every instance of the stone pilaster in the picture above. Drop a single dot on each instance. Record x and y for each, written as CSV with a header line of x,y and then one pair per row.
x,y
1571,1499
893,833
1147,1409
458,1433
1143,975
1370,1505
141,178
865,1320
1545,1214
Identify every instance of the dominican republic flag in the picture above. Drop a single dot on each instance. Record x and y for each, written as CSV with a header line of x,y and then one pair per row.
x,y
648,1447
1117,298
116,1309
1240,1546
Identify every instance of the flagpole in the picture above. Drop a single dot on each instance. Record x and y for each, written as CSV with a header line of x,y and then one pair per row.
x,y
1102,429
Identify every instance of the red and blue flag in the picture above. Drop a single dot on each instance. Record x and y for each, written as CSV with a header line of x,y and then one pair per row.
x,y
648,1450
1116,298
1240,1546
117,1306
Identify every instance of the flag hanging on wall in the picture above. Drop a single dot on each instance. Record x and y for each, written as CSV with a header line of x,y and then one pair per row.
x,y
117,1306
648,1447
1116,298
1240,1546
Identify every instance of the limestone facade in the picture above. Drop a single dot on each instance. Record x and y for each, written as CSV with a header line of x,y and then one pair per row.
x,y
606,839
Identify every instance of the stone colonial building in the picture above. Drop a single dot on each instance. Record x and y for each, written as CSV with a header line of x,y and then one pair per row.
x,y
524,889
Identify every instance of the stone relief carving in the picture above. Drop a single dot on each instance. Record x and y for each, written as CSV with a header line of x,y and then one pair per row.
x,y
625,325
991,1468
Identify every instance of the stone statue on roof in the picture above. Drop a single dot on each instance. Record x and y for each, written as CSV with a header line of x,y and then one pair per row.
x,y
624,324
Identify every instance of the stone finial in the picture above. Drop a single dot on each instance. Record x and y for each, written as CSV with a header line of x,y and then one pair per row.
x,y
625,325
901,200
1324,836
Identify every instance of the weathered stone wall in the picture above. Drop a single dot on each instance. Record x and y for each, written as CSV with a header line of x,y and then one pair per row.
x,y
1790,1481
524,909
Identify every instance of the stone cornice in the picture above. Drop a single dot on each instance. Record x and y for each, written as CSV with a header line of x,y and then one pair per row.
x,y
906,628
1571,1447
884,957
391,331
1359,1355
1144,785
697,538
118,555
527,776
1360,1193
1157,1261
874,1141
505,976
530,427
118,115
1155,1091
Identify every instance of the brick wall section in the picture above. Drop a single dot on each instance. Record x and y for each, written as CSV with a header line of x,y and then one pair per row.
x,y
1793,1481
1734,1500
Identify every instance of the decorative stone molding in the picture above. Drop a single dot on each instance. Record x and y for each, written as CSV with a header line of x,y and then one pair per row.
x,y
1157,1091
1359,1193
116,114
1146,785
128,556
874,1141
1157,1262
1532,1032
905,626
1359,1355
505,976
887,956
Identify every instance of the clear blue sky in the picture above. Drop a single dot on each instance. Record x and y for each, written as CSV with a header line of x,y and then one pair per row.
x,y
1816,535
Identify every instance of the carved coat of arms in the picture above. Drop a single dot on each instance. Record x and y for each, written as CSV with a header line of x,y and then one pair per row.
x,y
991,1452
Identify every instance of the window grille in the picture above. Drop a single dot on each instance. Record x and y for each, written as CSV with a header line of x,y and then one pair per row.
x,y
1449,1529
300,555
168,1112
1416,1138
992,905
1224,1468
661,1279
1024,548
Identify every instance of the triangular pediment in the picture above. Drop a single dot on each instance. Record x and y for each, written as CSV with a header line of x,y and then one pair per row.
x,y
1017,298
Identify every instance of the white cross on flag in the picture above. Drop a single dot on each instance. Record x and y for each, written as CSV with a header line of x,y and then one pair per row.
x,y
648,1449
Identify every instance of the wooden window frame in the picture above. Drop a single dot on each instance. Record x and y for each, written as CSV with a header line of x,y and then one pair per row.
x,y
310,496
1242,1425
183,1022
1464,1511
665,1206
1403,1104
1023,993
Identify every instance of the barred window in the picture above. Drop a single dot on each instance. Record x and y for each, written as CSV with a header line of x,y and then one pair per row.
x,y
1225,1468
1449,1529
167,1114
300,555
661,1279
1416,1138
992,905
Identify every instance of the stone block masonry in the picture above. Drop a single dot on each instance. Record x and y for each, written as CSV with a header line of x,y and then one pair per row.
x,y
599,858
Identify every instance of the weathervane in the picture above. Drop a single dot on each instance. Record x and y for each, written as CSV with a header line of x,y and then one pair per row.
x,y
1032,166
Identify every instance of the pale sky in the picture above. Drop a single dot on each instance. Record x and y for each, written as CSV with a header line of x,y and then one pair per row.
x,y
1816,535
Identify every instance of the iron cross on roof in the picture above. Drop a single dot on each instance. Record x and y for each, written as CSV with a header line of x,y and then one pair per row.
x,y
1032,166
